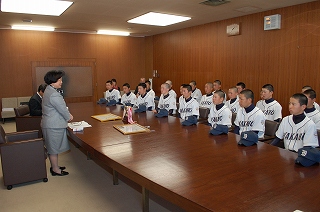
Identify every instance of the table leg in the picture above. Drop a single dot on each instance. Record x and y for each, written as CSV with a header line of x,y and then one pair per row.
x,y
145,199
115,177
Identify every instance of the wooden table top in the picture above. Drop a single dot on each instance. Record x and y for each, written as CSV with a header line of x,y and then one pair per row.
x,y
198,171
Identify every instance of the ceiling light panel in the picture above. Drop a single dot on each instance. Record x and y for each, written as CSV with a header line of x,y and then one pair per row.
x,y
158,19
35,28
112,32
38,7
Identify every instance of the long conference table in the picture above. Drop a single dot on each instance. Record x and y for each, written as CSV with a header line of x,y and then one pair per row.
x,y
195,170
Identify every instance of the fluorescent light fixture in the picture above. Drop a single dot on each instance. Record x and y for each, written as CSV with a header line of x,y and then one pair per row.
x,y
158,19
39,7
111,32
36,28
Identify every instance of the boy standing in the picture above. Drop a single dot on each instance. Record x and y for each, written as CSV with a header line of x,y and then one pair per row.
x,y
233,102
206,100
270,107
297,130
249,117
311,111
128,98
189,107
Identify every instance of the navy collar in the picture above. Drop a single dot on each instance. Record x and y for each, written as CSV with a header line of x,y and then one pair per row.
x,y
187,100
269,100
298,118
219,106
165,96
210,94
309,110
142,96
250,108
111,90
194,90
128,94
233,100
148,90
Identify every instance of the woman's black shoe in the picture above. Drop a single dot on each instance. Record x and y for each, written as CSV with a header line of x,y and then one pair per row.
x,y
63,173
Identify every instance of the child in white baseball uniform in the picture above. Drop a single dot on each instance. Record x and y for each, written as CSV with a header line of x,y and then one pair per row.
x,y
297,130
149,90
128,98
219,114
270,107
206,100
311,111
217,87
188,107
167,103
112,95
145,101
233,102
196,93
249,117
306,87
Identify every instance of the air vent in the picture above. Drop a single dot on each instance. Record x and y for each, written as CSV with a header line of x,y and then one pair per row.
x,y
214,2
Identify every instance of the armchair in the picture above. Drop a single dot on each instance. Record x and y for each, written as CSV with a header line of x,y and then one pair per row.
x,y
25,122
22,157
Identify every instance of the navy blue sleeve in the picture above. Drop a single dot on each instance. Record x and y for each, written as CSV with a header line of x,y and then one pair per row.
x,y
236,130
149,108
275,141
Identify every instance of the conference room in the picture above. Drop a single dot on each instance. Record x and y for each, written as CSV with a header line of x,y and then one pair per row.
x,y
170,167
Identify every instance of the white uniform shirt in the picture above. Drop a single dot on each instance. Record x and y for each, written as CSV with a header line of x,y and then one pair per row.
x,y
315,117
221,116
113,95
295,136
167,103
234,106
196,94
173,93
272,110
146,100
316,105
206,101
189,108
152,93
253,121
129,99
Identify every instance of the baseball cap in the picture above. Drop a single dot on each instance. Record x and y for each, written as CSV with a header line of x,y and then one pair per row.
x,y
162,113
248,138
219,129
191,120
307,156
111,102
141,108
102,101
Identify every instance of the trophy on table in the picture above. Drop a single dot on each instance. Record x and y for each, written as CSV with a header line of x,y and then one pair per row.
x,y
127,115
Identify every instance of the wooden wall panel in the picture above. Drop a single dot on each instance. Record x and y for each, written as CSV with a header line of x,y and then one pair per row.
x,y
115,57
280,57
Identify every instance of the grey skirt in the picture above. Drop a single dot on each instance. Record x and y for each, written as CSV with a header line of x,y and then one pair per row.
x,y
56,140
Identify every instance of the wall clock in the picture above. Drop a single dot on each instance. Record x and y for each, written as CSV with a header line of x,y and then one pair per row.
x,y
233,29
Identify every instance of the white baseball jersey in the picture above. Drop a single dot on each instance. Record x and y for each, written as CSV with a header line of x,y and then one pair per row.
x,y
206,101
222,116
196,94
173,93
295,136
234,106
252,121
152,93
315,117
129,99
167,102
272,110
113,95
316,105
189,108
146,100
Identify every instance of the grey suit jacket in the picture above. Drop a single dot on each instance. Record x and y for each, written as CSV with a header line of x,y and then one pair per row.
x,y
54,110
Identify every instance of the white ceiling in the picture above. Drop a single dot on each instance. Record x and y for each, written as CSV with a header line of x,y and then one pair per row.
x,y
92,15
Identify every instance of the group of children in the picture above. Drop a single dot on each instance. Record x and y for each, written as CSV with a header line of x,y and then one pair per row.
x,y
296,130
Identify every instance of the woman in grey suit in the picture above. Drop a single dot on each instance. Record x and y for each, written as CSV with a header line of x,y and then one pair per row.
x,y
55,117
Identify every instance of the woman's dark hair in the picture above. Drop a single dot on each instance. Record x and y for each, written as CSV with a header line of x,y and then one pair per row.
x,y
53,76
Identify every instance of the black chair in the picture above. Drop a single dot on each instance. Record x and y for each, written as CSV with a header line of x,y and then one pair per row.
x,y
271,128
